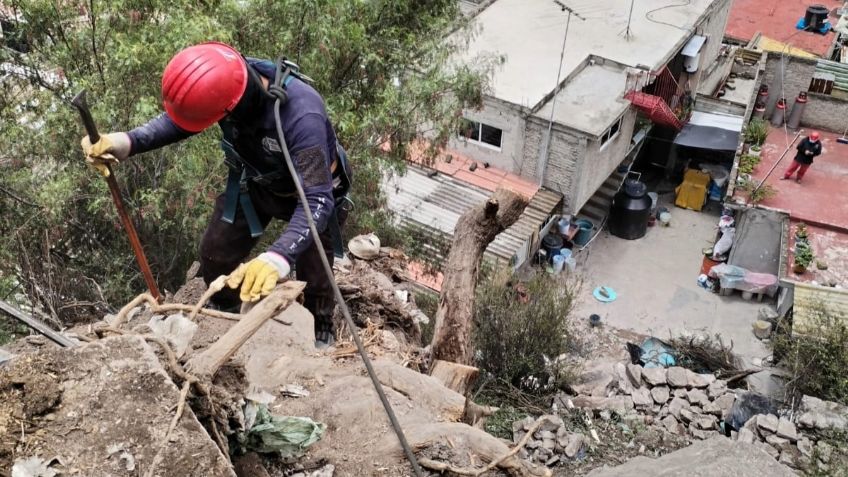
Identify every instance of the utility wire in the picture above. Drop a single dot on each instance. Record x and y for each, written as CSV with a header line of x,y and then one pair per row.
x,y
410,455
648,14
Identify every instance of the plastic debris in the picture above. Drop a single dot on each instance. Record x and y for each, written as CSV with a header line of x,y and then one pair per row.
x,y
33,467
365,247
176,329
604,294
656,353
294,390
286,436
748,405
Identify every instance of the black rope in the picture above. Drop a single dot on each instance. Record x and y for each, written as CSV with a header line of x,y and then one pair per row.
x,y
329,270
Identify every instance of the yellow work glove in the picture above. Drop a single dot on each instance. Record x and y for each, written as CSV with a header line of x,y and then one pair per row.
x,y
259,276
110,149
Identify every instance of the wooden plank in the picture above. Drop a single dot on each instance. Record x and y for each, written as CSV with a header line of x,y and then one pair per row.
x,y
206,364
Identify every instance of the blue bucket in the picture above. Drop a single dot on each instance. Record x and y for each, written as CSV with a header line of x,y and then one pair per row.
x,y
565,253
584,234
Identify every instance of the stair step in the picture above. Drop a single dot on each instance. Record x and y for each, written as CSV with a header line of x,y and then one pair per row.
x,y
599,202
594,211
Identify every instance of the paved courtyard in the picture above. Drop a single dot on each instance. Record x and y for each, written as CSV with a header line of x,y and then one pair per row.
x,y
655,278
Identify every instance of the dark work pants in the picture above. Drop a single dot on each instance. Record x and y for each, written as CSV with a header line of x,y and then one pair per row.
x,y
224,246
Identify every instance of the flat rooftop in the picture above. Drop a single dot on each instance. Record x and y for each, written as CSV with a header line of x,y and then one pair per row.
x,y
776,20
830,248
528,35
596,92
820,199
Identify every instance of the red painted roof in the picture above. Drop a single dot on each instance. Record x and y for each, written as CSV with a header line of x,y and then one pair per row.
x,y
776,19
820,199
830,248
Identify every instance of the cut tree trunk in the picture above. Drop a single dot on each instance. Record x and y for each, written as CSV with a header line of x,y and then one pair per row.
x,y
207,363
457,377
474,231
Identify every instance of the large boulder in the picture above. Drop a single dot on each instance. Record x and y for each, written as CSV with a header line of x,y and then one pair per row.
x,y
599,380
819,414
715,457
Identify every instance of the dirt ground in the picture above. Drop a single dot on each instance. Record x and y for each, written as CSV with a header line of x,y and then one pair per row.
x,y
99,410
655,278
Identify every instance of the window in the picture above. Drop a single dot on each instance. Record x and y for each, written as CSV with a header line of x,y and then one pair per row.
x,y
481,133
611,133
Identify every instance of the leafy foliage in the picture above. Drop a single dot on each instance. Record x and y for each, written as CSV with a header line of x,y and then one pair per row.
x,y
756,132
803,254
522,328
380,65
747,164
817,360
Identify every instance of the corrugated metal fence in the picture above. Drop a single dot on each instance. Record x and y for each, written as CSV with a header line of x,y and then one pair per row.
x,y
839,71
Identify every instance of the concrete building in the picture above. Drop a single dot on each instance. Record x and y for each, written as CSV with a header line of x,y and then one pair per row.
x,y
613,60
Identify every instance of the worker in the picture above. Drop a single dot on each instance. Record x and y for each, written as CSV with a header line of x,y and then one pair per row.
x,y
213,83
808,148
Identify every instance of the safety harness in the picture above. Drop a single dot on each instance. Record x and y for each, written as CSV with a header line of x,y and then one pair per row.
x,y
241,172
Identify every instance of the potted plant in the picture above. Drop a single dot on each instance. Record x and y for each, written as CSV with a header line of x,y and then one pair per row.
x,y
755,150
756,132
801,234
803,258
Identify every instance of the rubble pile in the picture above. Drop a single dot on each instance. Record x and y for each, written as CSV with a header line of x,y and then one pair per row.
x,y
795,443
676,398
687,404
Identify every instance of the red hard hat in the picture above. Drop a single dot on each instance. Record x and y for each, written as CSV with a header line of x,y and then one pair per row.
x,y
202,84
814,136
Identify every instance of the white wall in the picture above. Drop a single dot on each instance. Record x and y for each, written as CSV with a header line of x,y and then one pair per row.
x,y
713,28
502,116
595,167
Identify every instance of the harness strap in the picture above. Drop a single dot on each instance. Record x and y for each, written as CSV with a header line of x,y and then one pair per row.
x,y
231,196
253,222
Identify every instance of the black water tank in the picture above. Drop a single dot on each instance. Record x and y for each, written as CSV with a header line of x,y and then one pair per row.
x,y
815,17
631,207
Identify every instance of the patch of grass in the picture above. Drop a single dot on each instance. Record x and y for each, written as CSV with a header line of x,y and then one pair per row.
x,y
500,423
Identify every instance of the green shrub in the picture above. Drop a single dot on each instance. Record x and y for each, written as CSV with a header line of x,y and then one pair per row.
x,y
523,327
818,360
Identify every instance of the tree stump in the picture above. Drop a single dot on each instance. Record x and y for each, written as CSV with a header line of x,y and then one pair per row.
x,y
474,231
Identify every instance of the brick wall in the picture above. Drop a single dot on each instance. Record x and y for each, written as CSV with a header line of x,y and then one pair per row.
x,y
566,149
796,74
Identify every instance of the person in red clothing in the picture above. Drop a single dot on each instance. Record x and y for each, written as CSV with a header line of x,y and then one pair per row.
x,y
809,148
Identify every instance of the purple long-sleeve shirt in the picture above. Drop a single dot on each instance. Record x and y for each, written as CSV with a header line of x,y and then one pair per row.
x,y
311,142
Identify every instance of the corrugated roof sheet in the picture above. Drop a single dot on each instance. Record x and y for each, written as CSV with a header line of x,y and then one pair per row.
x,y
436,203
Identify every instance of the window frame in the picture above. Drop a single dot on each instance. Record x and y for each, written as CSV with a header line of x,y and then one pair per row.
x,y
478,133
609,135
